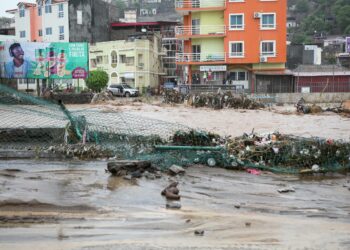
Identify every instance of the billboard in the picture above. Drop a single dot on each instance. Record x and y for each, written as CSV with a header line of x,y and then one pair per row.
x,y
28,60
348,45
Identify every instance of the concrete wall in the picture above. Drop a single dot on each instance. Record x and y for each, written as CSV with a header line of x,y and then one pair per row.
x,y
96,18
309,98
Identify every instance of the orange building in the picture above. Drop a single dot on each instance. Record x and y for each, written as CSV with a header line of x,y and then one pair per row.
x,y
229,41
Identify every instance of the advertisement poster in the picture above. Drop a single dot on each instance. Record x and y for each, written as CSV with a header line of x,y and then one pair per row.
x,y
27,60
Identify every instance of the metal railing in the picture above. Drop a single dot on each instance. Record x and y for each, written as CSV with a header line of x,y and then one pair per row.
x,y
214,30
201,57
197,4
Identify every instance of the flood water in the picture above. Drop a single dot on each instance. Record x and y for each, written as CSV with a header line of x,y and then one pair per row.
x,y
77,205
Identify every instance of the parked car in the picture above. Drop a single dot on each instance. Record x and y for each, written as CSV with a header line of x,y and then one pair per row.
x,y
122,90
169,86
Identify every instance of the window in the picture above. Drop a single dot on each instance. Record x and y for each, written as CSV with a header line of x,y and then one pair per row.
x,y
40,32
48,31
99,59
237,49
236,21
114,57
22,34
79,17
122,59
61,32
130,61
22,11
48,7
238,76
40,11
60,11
268,21
268,48
60,7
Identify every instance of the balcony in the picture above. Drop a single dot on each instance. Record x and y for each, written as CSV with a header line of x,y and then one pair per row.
x,y
200,31
185,6
201,58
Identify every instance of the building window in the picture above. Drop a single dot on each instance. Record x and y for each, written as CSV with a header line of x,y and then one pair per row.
x,y
238,76
79,17
122,59
60,11
268,48
22,34
22,12
268,21
114,58
40,11
48,31
40,32
48,7
237,49
61,32
236,21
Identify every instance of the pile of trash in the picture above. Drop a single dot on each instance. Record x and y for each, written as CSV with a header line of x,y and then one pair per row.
x,y
304,108
171,96
195,138
222,100
80,151
289,154
217,100
102,97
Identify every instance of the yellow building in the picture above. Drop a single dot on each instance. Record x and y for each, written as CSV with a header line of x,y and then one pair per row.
x,y
136,61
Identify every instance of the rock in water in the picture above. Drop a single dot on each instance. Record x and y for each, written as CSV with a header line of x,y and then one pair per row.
x,y
175,170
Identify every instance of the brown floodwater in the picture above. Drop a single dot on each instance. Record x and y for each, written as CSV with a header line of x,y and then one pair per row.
x,y
77,205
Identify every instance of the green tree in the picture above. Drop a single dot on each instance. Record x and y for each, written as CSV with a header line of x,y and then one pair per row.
x,y
302,6
97,80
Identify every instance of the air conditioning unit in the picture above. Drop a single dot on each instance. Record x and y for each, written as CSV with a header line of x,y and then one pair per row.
x,y
263,59
257,15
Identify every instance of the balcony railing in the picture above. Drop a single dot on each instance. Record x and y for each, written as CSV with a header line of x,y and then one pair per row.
x,y
199,4
203,30
201,57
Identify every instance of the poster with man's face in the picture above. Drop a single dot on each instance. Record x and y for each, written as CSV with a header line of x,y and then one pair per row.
x,y
27,60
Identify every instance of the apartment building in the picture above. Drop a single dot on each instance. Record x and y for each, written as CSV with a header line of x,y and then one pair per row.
x,y
136,61
229,41
64,20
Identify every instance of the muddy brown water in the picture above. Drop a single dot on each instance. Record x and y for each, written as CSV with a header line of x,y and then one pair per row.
x,y
76,205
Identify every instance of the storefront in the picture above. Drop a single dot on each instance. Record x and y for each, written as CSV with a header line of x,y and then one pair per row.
x,y
211,74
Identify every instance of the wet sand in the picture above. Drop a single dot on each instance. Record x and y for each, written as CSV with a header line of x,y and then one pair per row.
x,y
76,205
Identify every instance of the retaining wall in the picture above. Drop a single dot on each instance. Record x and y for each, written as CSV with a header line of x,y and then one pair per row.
x,y
309,98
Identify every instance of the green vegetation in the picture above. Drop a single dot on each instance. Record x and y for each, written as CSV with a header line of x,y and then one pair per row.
x,y
97,80
320,17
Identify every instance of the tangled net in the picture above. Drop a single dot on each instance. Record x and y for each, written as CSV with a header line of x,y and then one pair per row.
x,y
32,123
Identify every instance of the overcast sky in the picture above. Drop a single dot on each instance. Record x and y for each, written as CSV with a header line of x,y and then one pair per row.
x,y
10,4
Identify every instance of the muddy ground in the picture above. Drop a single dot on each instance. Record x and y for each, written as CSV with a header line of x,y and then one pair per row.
x,y
77,205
